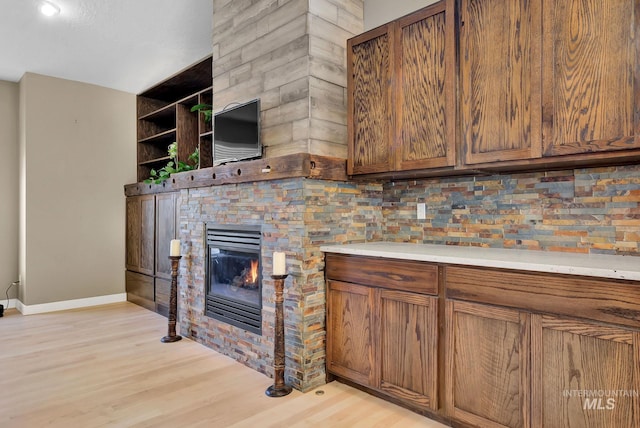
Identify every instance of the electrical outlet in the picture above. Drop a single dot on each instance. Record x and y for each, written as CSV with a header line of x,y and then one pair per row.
x,y
421,211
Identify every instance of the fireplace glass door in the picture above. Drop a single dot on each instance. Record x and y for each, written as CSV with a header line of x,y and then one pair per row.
x,y
235,275
234,279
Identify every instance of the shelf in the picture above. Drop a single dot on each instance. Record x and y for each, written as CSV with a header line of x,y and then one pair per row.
x,y
162,114
206,91
161,137
189,101
156,160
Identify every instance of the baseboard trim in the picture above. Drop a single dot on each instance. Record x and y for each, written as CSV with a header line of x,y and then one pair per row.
x,y
69,304
12,303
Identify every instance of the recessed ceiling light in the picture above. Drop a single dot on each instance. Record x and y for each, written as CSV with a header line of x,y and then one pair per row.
x,y
49,9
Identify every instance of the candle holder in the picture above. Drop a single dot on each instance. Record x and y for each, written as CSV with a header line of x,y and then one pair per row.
x,y
173,302
279,388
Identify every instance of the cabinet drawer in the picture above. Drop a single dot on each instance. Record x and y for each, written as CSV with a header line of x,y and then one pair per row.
x,y
601,299
407,275
140,289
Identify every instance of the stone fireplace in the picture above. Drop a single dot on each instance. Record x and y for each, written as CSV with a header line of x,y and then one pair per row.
x,y
297,216
292,56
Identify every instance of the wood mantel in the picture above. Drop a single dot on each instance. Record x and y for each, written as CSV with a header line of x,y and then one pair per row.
x,y
299,165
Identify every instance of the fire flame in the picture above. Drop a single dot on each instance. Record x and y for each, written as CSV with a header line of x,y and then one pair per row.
x,y
253,273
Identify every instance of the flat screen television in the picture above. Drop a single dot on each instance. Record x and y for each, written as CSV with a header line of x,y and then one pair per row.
x,y
236,133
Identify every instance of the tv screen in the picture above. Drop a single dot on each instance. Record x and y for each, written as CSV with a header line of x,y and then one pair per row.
x,y
236,133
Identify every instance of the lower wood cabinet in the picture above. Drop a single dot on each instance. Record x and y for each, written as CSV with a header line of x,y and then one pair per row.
x,y
584,371
517,349
351,351
487,365
516,365
408,344
384,338
151,225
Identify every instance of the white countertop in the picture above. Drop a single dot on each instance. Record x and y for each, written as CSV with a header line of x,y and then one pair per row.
x,y
603,266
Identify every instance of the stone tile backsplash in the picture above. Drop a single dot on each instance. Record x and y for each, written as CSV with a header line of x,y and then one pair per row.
x,y
595,210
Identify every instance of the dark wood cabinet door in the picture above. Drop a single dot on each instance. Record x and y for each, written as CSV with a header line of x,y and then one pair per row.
x,y
140,220
166,229
487,365
571,357
409,347
425,78
351,351
370,116
590,76
500,80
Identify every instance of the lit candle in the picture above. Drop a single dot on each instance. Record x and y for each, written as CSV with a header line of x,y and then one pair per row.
x,y
279,263
175,247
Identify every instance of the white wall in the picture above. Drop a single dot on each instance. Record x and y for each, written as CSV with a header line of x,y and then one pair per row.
x,y
378,12
9,101
78,150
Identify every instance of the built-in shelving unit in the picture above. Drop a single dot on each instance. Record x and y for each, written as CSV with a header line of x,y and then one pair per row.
x,y
165,116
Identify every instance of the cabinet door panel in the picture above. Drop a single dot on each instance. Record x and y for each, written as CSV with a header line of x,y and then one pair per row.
x,y
590,76
426,98
499,80
369,123
165,231
350,332
140,234
571,357
409,344
487,360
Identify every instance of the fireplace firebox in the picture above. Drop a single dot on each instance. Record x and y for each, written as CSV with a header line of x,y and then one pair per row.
x,y
234,275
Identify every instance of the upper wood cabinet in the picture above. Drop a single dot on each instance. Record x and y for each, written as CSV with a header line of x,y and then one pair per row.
x,y
401,80
499,80
541,83
370,124
547,78
590,92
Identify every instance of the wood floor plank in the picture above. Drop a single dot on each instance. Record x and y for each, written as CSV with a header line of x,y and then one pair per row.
x,y
106,367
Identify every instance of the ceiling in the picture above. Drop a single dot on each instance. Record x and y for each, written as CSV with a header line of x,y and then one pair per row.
x,y
127,45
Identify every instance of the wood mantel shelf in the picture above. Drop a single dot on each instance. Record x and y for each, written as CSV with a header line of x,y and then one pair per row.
x,y
299,165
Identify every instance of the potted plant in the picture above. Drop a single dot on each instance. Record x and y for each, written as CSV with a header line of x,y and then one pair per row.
x,y
173,166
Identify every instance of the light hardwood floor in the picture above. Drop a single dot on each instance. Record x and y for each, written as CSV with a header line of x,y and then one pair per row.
x,y
106,366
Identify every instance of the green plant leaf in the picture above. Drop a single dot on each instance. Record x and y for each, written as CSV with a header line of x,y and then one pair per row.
x,y
205,109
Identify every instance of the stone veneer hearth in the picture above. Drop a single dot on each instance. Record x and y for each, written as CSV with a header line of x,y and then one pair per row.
x,y
297,215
